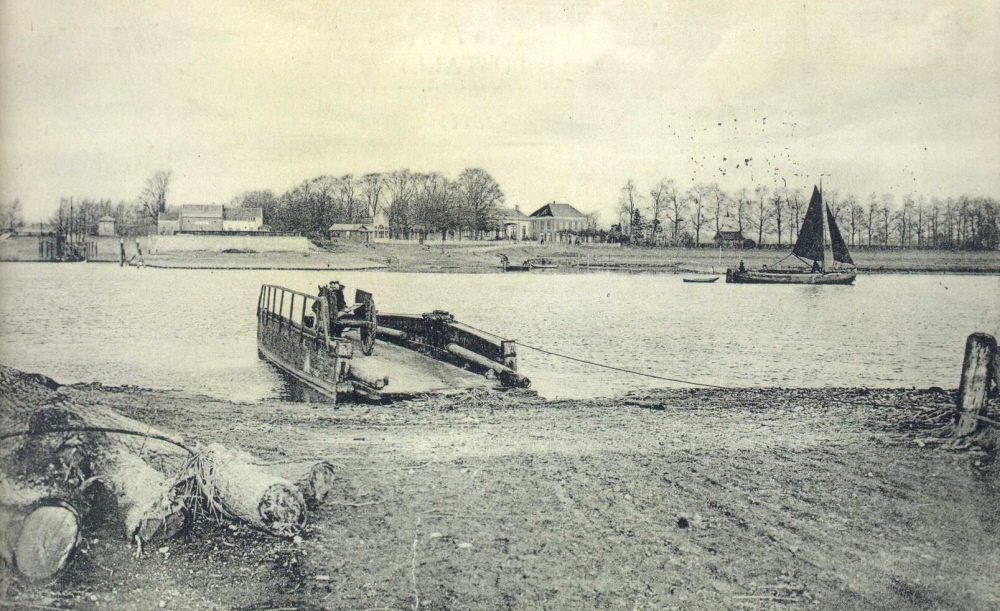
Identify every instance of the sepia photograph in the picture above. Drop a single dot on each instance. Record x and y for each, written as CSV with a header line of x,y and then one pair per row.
x,y
499,305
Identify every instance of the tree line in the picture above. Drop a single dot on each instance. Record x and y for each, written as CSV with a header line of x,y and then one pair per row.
x,y
413,203
667,214
670,215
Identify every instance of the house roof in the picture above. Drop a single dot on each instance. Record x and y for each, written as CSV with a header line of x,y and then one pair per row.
x,y
348,227
509,214
168,216
242,214
558,210
106,219
210,210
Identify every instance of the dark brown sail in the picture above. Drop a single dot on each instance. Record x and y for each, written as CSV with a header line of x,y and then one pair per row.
x,y
840,252
810,242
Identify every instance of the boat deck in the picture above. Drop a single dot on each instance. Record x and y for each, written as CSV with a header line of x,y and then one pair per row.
x,y
411,373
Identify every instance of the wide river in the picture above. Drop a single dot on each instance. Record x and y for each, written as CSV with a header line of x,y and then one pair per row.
x,y
195,329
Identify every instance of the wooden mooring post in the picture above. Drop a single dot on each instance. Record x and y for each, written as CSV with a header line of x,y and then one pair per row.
x,y
979,374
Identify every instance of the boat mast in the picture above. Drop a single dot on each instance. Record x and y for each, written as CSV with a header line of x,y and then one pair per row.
x,y
825,234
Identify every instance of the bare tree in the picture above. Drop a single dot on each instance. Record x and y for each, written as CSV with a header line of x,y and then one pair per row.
x,y
401,188
437,201
371,186
659,203
628,203
761,212
347,200
778,212
153,198
676,209
871,216
11,218
885,210
742,203
481,199
696,196
719,202
921,211
857,217
793,200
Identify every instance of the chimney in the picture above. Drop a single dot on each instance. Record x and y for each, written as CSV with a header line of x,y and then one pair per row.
x,y
517,208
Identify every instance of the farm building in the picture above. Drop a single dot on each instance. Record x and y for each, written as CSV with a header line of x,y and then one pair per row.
x,y
514,224
168,223
106,226
732,239
553,221
242,219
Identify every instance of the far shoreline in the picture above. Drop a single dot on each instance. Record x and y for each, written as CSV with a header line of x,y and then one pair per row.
x,y
484,258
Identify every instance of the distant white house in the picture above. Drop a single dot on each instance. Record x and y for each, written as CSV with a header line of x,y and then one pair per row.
x,y
371,229
106,226
554,221
242,219
211,218
515,225
168,223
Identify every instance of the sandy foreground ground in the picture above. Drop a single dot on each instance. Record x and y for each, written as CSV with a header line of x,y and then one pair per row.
x,y
701,499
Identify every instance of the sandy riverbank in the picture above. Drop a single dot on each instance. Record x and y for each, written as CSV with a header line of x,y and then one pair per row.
x,y
458,258
704,499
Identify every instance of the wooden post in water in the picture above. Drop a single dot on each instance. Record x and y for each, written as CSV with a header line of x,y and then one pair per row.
x,y
978,374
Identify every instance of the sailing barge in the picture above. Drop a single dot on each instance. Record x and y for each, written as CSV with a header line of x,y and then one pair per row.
x,y
819,243
337,349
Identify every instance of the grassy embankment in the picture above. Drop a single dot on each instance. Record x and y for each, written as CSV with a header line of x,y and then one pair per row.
x,y
456,257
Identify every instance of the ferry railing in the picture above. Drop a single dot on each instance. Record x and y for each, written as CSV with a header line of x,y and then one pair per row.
x,y
271,307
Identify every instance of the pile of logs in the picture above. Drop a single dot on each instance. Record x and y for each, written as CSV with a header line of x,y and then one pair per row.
x,y
70,466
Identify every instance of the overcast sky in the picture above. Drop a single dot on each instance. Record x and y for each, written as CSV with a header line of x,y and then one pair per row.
x,y
564,102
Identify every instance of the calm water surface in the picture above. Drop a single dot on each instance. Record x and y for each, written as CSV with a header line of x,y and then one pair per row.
x,y
195,329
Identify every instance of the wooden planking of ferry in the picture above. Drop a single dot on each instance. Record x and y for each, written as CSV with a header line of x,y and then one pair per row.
x,y
340,350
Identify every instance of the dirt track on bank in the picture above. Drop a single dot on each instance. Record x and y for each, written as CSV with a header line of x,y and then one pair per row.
x,y
743,499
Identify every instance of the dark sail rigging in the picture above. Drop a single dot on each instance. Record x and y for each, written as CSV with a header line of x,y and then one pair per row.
x,y
820,241
809,244
840,252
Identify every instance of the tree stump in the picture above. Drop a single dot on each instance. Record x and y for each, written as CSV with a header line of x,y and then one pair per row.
x,y
978,371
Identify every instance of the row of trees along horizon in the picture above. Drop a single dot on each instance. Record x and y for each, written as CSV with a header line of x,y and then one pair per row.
x,y
413,202
665,215
766,216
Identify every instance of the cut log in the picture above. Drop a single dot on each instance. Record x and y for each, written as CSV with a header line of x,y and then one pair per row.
x,y
149,503
49,536
38,536
236,487
314,480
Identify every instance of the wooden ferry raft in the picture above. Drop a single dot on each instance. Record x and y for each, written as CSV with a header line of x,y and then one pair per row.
x,y
335,348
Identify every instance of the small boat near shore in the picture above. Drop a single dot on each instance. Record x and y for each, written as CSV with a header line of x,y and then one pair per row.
x,y
507,267
701,279
819,243
338,349
542,264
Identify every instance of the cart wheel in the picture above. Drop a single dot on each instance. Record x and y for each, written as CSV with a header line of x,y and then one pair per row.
x,y
369,331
